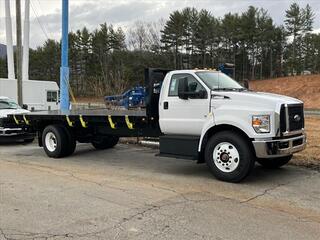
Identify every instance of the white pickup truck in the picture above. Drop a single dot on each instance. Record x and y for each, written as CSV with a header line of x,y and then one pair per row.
x,y
199,114
9,134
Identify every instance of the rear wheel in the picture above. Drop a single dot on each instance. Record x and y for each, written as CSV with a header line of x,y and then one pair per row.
x,y
229,156
273,163
105,142
55,141
71,142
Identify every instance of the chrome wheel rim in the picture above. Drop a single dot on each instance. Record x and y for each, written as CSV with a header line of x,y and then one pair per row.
x,y
51,141
226,157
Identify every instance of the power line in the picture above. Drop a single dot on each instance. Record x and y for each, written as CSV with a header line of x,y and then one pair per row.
x,y
41,11
40,6
37,17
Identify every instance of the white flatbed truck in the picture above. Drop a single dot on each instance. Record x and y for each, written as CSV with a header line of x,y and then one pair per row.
x,y
198,114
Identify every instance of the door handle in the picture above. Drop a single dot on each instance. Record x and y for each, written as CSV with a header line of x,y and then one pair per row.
x,y
216,96
165,105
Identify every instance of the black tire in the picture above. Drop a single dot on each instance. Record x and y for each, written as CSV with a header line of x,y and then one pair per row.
x,y
243,165
60,138
105,142
71,143
273,163
28,140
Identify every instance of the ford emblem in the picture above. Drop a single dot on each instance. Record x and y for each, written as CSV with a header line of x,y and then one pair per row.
x,y
297,118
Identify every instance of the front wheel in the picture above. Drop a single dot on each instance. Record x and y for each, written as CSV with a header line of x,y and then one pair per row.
x,y
273,163
105,142
229,156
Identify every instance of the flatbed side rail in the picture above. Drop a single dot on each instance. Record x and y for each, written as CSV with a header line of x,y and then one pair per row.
x,y
125,125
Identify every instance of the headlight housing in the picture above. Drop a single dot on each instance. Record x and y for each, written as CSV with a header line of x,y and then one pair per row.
x,y
261,123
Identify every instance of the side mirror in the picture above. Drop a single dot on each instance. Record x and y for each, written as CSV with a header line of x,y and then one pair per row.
x,y
25,106
246,84
183,88
203,94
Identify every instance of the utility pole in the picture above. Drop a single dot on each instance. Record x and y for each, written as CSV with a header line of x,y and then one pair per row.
x,y
10,61
64,69
19,52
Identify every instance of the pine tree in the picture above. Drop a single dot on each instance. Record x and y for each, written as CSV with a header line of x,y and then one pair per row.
x,y
298,22
173,35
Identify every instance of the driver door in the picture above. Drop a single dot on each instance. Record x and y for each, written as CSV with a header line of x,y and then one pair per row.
x,y
185,117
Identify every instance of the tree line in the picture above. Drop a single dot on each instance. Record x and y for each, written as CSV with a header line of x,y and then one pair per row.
x,y
107,60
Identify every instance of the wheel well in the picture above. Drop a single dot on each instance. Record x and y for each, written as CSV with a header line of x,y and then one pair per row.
x,y
219,128
83,135
42,125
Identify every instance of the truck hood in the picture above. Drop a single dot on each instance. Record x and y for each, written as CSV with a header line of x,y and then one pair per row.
x,y
5,112
259,97
249,99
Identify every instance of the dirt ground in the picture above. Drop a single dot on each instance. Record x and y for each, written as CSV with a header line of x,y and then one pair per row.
x,y
89,99
306,88
311,155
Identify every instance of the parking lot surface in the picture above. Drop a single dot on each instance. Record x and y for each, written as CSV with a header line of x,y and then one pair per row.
x,y
129,193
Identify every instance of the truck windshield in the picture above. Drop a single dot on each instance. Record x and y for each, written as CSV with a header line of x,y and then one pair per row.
x,y
219,81
8,104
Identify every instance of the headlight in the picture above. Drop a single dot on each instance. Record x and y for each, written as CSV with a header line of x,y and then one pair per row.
x,y
261,123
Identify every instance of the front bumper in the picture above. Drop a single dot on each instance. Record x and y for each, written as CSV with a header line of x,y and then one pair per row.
x,y
279,147
14,134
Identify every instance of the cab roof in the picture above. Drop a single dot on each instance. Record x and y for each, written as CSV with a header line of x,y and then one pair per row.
x,y
195,70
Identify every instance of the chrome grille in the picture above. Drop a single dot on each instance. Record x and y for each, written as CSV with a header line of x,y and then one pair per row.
x,y
296,117
291,118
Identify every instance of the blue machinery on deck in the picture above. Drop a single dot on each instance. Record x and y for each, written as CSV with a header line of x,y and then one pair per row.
x,y
131,98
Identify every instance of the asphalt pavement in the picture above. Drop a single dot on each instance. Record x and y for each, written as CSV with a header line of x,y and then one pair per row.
x,y
129,193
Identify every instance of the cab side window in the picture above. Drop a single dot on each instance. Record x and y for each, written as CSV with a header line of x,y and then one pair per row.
x,y
193,85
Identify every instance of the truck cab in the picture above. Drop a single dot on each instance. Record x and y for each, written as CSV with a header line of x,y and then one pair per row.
x,y
226,125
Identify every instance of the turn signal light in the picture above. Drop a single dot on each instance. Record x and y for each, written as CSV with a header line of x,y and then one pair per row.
x,y
256,122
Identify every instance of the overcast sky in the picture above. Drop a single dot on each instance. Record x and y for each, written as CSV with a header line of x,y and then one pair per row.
x,y
45,15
